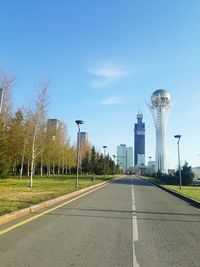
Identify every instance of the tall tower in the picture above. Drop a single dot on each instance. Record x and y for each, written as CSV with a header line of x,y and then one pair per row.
x,y
160,106
139,141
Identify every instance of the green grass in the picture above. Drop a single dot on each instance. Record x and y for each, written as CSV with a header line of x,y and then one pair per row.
x,y
16,194
189,191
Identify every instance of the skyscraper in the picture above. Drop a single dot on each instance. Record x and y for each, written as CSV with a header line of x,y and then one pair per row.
x,y
124,156
52,125
83,143
83,138
129,157
160,106
121,156
139,141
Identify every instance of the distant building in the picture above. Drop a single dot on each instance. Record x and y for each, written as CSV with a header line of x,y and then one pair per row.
x,y
121,156
171,171
83,143
124,157
196,171
139,141
151,167
52,127
83,138
52,124
129,157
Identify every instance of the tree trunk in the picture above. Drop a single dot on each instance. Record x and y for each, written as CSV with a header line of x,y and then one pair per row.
x,y
58,171
32,167
15,169
48,170
28,169
53,168
22,163
66,169
41,166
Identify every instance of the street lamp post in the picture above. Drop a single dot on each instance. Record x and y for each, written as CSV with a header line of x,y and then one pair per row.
x,y
179,162
78,122
104,170
120,167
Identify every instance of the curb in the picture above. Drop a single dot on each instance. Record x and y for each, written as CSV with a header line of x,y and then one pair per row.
x,y
20,213
191,201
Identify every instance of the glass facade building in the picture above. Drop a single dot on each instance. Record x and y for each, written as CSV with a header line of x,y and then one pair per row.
x,y
139,141
124,157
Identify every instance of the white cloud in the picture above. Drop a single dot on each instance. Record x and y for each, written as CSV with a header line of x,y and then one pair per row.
x,y
106,73
112,100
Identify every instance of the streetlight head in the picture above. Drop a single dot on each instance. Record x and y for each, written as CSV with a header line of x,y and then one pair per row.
x,y
79,122
104,146
177,136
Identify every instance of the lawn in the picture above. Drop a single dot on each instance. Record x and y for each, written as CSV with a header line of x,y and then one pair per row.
x,y
16,194
189,191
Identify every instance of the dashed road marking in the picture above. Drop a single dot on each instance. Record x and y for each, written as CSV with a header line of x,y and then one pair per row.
x,y
134,227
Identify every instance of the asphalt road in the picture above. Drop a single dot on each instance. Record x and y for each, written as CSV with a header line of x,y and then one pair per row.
x,y
127,223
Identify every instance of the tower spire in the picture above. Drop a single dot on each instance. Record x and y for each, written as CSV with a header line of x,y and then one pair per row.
x,y
160,107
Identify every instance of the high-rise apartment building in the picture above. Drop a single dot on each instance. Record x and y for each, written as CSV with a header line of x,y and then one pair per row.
x,y
52,124
124,156
139,141
129,157
83,138
83,143
121,156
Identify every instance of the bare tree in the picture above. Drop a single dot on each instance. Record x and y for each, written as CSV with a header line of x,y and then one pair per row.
x,y
37,122
6,83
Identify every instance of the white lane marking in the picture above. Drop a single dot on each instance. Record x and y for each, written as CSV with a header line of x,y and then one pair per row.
x,y
134,227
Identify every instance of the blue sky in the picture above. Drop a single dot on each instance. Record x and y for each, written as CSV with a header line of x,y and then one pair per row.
x,y
104,59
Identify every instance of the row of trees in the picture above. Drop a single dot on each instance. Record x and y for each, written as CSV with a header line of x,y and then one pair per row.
x,y
29,147
26,142
95,163
173,179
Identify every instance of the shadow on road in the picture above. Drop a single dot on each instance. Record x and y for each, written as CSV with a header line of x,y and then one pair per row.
x,y
127,215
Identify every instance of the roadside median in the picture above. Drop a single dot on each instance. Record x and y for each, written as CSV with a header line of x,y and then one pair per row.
x,y
34,208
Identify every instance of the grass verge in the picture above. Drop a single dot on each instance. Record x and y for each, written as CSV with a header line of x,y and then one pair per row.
x,y
188,191
15,194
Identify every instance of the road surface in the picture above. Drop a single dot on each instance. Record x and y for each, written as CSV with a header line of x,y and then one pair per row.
x,y
126,223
